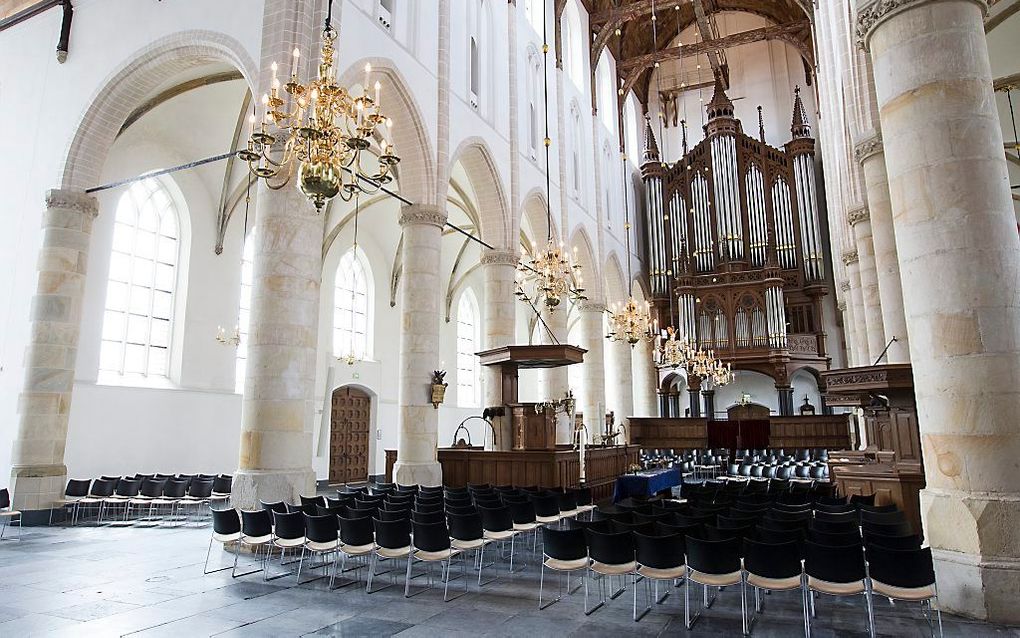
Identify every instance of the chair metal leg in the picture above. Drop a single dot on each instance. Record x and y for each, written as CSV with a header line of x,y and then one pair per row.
x,y
871,611
743,603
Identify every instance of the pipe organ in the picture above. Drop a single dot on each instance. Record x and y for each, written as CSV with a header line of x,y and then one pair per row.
x,y
735,251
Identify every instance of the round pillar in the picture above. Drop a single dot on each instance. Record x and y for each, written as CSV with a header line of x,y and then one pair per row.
x,y
420,286
645,379
499,268
620,380
593,399
278,413
860,331
38,473
860,221
887,267
959,256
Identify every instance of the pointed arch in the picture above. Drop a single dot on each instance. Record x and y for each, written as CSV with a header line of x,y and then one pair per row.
x,y
533,220
615,280
131,84
411,138
494,212
580,246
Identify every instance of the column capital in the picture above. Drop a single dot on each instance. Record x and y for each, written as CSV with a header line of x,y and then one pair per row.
x,y
849,257
592,306
868,147
875,13
422,214
844,286
856,215
497,257
841,306
69,199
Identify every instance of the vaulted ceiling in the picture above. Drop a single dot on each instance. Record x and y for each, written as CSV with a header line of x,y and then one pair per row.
x,y
625,28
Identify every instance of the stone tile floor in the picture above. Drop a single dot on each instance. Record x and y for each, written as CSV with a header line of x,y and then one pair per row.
x,y
115,581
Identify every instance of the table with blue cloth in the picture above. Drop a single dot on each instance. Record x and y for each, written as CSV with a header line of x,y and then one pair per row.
x,y
645,484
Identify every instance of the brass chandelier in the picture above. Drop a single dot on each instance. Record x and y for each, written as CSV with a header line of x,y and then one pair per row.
x,y
321,130
553,273
631,322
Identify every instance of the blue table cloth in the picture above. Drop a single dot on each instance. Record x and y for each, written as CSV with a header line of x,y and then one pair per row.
x,y
645,483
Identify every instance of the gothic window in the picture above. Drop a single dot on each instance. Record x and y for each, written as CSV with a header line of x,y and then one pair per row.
x,y
535,118
138,320
575,125
384,13
571,38
534,11
467,345
351,307
475,79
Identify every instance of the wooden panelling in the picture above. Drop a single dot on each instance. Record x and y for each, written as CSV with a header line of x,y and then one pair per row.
x,y
680,434
543,468
890,483
790,432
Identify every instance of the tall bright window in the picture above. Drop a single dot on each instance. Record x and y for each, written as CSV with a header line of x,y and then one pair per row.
x,y
138,321
467,345
351,307
244,310
534,10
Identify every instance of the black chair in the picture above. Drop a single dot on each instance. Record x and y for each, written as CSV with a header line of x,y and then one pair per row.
x,y
871,507
76,490
257,533
426,518
288,533
611,555
848,517
461,509
834,528
910,541
894,517
564,551
835,539
173,492
222,486
862,499
583,497
658,558
904,574
102,489
837,571
892,529
226,529
199,494
322,537
392,542
357,541
279,506
547,509
431,544
313,501
498,527
523,514
772,567
713,564
467,535
151,489
127,489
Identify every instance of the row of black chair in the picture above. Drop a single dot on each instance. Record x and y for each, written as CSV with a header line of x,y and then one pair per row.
x,y
153,494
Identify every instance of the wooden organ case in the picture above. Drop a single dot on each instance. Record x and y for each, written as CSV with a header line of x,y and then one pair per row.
x,y
734,234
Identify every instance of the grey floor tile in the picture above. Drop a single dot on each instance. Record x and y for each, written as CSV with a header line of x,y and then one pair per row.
x,y
362,627
93,610
35,625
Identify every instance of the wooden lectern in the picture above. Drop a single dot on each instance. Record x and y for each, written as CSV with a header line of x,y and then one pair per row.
x,y
531,429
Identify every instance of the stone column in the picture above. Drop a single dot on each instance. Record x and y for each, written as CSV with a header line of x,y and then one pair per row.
x,y
709,397
38,473
555,382
846,306
785,400
500,320
850,260
959,255
645,379
860,222
278,413
618,369
593,399
694,402
420,286
894,321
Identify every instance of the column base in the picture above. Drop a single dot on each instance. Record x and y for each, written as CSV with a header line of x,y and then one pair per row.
x,y
409,473
251,486
976,552
37,487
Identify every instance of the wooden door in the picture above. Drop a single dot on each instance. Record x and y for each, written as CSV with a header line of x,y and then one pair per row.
x,y
348,436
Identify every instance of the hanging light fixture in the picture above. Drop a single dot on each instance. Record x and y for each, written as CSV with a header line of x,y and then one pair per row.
x,y
552,274
631,322
321,131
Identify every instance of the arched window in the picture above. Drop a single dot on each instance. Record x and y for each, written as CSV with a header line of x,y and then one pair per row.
x,y
535,118
468,370
138,322
606,93
244,310
351,307
573,49
475,79
608,180
630,128
534,10
575,151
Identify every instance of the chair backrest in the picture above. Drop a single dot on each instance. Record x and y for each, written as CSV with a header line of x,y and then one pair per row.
x,y
175,488
910,541
321,529
430,537
128,487
461,509
394,515
330,511
256,523
776,536
567,501
564,544
883,518
772,560
103,487
714,532
428,517
465,527
361,512
834,527
77,488
313,500
111,478
888,507
907,568
835,539
223,483
583,495
198,488
278,506
152,488
357,531
339,502
659,552
787,515
226,521
496,519
394,534
5,499
611,549
862,499
834,564
891,529
290,525
713,557
522,512
546,505
647,527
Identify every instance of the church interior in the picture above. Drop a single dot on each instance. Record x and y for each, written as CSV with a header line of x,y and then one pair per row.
x,y
575,317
